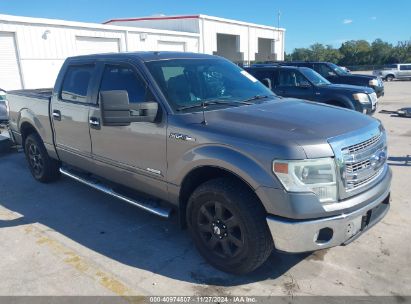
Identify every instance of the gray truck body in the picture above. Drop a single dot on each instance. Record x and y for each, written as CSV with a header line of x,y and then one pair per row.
x,y
166,158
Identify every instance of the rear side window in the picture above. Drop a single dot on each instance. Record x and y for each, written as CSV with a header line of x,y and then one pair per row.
x,y
125,79
264,74
76,83
405,67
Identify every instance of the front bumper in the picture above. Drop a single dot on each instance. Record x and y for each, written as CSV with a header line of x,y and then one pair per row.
x,y
310,235
379,90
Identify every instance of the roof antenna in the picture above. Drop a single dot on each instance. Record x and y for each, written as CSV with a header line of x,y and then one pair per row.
x,y
203,106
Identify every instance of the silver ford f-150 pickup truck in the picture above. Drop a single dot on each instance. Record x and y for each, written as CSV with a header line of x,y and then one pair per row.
x,y
245,170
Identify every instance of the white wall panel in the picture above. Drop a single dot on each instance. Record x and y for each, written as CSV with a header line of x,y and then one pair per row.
x,y
171,46
94,45
44,44
10,78
40,73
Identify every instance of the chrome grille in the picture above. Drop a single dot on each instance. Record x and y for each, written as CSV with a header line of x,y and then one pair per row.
x,y
363,162
355,167
356,184
363,145
373,98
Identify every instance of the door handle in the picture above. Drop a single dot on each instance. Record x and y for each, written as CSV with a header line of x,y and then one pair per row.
x,y
57,115
94,123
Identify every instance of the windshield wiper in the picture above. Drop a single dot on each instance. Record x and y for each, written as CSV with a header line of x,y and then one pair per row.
x,y
256,97
213,102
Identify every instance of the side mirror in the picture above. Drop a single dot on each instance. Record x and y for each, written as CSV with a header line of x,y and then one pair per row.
x,y
117,111
267,82
305,85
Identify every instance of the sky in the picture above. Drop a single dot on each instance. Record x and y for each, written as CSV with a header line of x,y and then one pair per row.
x,y
306,22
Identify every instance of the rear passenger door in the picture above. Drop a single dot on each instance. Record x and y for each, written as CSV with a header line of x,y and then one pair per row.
x,y
70,114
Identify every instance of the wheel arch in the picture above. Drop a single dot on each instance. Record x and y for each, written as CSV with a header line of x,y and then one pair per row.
x,y
340,102
200,175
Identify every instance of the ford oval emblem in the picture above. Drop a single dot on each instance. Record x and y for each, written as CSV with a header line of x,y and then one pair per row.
x,y
377,159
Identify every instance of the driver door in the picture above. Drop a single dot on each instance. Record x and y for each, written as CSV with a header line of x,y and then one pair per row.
x,y
135,154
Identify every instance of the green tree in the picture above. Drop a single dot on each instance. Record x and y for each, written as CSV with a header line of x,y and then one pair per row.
x,y
381,52
355,52
402,51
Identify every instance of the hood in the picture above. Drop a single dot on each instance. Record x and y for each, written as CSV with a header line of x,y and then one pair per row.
x,y
356,79
348,88
287,122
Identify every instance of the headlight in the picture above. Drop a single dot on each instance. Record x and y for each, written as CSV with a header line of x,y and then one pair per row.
x,y
361,97
311,175
7,108
373,82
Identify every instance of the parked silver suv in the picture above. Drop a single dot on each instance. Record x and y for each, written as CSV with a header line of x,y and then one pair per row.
x,y
394,71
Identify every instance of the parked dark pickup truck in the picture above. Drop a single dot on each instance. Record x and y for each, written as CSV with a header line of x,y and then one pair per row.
x,y
336,74
305,83
246,171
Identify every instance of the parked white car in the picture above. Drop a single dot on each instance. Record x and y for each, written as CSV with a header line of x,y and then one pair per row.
x,y
394,71
3,107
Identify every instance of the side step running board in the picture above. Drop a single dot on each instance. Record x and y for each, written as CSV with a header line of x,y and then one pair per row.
x,y
143,204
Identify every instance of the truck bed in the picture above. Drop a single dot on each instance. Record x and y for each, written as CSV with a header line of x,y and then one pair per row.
x,y
31,106
36,93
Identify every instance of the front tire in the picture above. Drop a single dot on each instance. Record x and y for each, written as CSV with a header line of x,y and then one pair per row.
x,y
43,168
228,225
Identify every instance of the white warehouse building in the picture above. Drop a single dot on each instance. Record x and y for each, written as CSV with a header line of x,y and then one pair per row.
x,y
236,40
32,50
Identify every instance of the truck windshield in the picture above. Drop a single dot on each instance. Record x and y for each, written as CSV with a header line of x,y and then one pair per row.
x,y
390,67
314,77
338,70
190,83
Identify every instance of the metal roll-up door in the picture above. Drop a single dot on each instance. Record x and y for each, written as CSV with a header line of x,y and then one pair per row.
x,y
10,77
96,45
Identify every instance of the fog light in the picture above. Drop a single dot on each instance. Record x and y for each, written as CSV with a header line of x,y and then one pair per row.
x,y
324,235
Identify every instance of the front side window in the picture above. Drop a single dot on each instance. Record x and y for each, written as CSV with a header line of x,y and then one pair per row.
x,y
191,82
324,70
390,67
291,78
338,70
314,77
76,83
125,79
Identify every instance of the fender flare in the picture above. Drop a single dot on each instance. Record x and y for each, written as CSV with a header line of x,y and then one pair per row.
x,y
228,159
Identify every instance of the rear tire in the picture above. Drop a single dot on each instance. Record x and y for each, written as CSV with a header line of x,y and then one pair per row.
x,y
43,168
228,225
389,78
